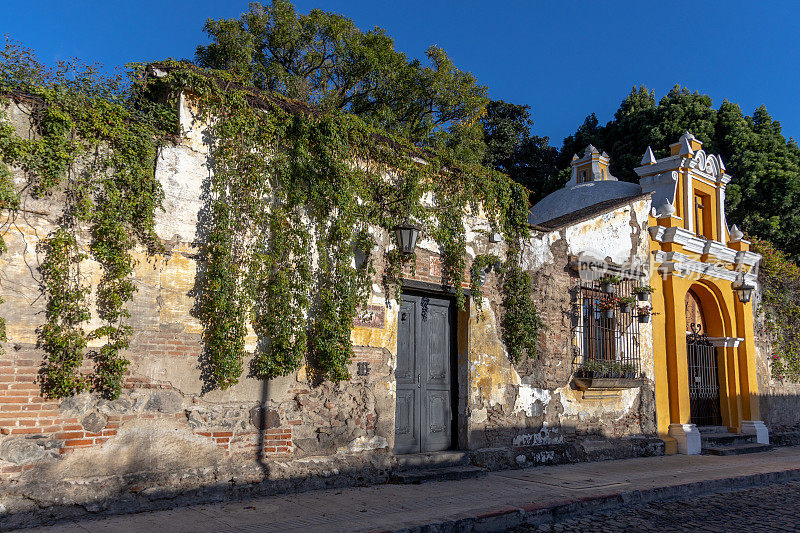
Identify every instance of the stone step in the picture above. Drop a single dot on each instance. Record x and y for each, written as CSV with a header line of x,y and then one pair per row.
x,y
447,473
736,449
432,460
712,429
726,439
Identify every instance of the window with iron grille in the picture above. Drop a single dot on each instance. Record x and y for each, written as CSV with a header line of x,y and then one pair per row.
x,y
606,330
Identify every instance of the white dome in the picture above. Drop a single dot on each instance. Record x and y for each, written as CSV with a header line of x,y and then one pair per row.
x,y
581,196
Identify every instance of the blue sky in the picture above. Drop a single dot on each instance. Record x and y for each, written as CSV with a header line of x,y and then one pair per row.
x,y
564,59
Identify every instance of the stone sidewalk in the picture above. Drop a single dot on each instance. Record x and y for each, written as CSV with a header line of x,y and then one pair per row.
x,y
490,503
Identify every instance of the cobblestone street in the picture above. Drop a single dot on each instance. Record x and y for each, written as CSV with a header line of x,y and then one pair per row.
x,y
768,508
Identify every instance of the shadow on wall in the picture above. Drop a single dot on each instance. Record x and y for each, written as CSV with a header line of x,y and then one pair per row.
x,y
60,492
780,411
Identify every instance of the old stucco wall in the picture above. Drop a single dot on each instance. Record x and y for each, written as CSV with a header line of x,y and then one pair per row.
x,y
532,410
167,435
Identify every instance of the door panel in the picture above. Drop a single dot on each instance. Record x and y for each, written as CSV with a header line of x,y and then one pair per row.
x,y
424,347
406,439
435,327
406,433
406,334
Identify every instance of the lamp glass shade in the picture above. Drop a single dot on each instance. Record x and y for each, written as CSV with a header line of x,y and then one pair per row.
x,y
407,235
744,290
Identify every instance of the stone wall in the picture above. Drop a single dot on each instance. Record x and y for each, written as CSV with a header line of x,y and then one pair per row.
x,y
168,435
532,413
779,400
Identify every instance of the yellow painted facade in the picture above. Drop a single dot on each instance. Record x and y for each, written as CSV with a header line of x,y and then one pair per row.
x,y
693,249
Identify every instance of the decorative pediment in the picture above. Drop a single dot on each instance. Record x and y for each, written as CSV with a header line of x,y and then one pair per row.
x,y
710,164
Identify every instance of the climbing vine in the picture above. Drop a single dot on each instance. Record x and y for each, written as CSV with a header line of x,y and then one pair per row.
x,y
9,202
293,195
521,321
480,266
94,140
294,200
780,307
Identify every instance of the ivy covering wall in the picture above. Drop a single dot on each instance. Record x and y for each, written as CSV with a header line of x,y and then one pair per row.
x,y
780,305
293,195
94,141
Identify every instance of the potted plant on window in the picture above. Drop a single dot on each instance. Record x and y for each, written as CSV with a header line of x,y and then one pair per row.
x,y
628,371
607,305
601,374
643,292
625,303
607,283
644,313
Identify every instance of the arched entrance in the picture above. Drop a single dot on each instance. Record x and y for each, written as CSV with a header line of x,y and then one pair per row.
x,y
702,366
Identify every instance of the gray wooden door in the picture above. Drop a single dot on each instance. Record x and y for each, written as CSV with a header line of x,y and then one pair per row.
x,y
423,415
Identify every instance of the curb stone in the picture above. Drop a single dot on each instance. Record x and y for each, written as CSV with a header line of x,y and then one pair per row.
x,y
541,513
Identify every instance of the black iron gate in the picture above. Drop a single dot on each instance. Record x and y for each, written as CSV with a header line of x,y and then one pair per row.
x,y
703,379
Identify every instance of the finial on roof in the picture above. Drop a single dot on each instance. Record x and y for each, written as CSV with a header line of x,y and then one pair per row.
x,y
575,157
604,154
590,150
721,164
649,157
736,234
688,135
686,147
667,209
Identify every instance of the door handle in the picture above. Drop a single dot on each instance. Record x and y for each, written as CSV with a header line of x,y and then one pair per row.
x,y
419,381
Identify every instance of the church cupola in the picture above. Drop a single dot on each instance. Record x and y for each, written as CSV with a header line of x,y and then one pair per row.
x,y
593,166
590,184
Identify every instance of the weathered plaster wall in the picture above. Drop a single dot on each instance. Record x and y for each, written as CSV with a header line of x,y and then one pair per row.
x,y
531,411
167,431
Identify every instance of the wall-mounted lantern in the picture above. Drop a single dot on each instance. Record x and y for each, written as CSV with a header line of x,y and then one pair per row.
x,y
743,289
407,235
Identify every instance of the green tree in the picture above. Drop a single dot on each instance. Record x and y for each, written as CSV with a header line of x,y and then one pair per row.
x,y
511,148
324,59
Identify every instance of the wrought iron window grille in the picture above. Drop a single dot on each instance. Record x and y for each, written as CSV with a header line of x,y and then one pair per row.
x,y
606,336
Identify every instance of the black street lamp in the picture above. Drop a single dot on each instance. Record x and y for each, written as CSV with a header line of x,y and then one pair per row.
x,y
407,235
743,289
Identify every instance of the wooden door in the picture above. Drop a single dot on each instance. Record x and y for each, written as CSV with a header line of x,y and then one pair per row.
x,y
423,416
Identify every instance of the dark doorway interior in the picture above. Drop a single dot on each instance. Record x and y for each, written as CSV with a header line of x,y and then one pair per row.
x,y
704,408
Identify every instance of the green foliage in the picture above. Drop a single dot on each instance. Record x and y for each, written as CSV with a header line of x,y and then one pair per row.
x,y
643,289
324,59
511,149
764,196
284,279
294,194
780,305
94,143
61,336
477,273
521,321
605,368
